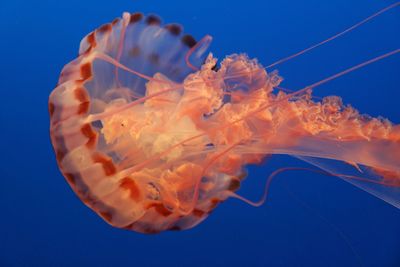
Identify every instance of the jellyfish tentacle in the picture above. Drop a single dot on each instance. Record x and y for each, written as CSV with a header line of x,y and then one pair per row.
x,y
351,28
268,105
358,66
121,66
316,84
150,160
287,90
146,162
341,234
274,174
125,23
203,173
150,142
377,183
199,46
267,185
100,116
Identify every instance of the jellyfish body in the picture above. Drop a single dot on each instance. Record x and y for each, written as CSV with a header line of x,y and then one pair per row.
x,y
151,143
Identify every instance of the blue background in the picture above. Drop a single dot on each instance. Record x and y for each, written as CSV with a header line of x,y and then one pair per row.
x,y
309,219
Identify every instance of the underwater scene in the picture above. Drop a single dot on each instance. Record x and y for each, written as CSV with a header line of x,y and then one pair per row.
x,y
213,133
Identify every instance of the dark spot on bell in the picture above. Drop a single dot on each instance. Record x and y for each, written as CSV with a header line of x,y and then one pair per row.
x,y
175,228
51,108
198,213
107,163
189,41
70,178
115,21
130,185
174,29
83,108
105,28
214,203
154,58
135,17
106,215
135,51
160,209
90,134
91,39
234,185
81,95
153,20
86,71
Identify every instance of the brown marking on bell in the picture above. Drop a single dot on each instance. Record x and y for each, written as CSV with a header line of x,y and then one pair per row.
x,y
59,147
214,203
104,28
88,132
135,51
148,229
143,227
106,162
88,199
115,21
198,213
92,142
175,228
60,154
130,185
81,191
153,20
154,58
128,227
70,178
174,29
83,108
106,215
135,17
82,96
234,184
51,109
91,39
189,41
86,71
160,209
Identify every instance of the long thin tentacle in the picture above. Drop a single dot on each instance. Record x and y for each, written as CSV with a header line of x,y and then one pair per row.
x,y
358,24
281,170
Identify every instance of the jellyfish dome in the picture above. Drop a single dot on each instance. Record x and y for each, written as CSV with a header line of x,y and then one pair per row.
x,y
152,134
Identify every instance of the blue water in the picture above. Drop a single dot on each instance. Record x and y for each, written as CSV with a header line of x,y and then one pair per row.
x,y
309,220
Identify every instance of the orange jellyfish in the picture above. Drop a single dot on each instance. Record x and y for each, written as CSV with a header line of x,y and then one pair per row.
x,y
152,133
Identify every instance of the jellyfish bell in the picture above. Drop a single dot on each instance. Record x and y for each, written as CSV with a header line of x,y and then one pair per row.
x,y
98,138
152,134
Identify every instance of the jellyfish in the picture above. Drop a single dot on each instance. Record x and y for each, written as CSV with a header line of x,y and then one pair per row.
x,y
152,133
